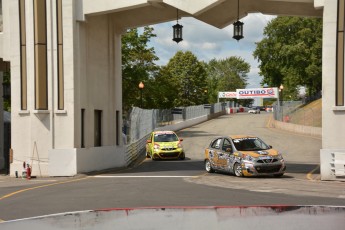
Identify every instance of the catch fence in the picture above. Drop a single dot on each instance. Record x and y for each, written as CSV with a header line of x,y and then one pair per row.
x,y
141,122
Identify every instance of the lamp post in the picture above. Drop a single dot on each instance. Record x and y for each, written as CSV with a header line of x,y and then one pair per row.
x,y
281,87
141,87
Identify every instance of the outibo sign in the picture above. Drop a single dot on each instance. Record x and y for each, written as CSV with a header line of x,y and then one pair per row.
x,y
227,95
258,92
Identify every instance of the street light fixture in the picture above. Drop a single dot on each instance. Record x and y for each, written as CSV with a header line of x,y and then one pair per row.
x,y
177,31
238,25
281,87
141,87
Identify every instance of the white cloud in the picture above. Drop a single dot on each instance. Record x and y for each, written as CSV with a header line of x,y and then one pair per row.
x,y
208,42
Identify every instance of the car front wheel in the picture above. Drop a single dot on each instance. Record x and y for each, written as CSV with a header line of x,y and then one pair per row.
x,y
208,166
278,175
238,170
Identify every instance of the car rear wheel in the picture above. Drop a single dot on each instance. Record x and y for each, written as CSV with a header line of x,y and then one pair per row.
x,y
208,166
238,170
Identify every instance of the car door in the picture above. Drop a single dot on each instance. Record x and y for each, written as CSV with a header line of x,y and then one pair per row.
x,y
215,152
224,153
227,158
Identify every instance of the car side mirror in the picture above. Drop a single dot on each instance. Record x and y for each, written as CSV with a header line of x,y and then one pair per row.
x,y
271,147
228,150
148,141
181,139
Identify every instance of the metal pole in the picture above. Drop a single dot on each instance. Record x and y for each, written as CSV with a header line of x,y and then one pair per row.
x,y
282,106
278,108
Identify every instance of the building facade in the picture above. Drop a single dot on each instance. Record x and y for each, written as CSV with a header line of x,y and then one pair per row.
x,y
66,78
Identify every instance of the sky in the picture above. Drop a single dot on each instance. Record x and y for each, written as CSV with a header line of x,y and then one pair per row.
x,y
208,42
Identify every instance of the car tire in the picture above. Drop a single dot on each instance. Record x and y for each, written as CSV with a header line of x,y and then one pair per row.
x,y
278,175
147,155
238,170
153,157
208,167
182,157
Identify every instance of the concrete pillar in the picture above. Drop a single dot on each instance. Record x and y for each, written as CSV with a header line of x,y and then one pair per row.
x,y
333,117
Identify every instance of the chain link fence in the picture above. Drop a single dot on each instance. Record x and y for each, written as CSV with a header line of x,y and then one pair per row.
x,y
141,122
284,109
293,112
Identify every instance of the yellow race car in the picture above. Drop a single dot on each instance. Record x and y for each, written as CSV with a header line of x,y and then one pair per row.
x,y
164,145
243,156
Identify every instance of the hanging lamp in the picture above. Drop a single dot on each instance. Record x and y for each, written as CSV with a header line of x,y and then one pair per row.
x,y
177,31
238,25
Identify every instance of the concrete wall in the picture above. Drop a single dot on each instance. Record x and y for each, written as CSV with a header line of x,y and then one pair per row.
x,y
70,162
301,129
187,218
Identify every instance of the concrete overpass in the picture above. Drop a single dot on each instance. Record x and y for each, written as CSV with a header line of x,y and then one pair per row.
x,y
66,73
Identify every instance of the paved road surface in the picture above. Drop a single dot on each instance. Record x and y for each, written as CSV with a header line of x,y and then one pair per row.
x,y
182,183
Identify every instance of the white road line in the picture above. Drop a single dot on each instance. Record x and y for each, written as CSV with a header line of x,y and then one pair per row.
x,y
113,176
267,190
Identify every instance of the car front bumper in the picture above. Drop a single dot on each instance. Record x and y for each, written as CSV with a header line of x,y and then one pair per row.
x,y
168,154
261,169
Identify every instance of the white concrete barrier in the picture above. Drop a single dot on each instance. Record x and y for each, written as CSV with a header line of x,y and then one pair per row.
x,y
261,217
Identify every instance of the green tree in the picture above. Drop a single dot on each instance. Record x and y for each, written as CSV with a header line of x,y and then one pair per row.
x,y
162,91
137,65
291,54
226,75
185,79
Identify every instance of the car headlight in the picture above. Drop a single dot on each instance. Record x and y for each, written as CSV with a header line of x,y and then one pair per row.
x,y
280,156
248,158
156,147
179,145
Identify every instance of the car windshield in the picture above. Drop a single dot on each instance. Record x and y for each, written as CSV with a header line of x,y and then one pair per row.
x,y
250,144
168,137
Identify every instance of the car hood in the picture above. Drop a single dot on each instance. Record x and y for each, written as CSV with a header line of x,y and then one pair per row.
x,y
167,144
268,152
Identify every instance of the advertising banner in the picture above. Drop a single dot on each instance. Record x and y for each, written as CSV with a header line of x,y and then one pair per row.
x,y
227,95
257,92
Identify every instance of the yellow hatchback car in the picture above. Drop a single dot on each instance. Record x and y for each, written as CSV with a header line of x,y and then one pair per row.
x,y
164,145
243,156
